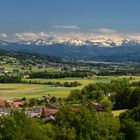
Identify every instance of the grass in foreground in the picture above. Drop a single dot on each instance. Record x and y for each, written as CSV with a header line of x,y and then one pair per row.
x,y
116,113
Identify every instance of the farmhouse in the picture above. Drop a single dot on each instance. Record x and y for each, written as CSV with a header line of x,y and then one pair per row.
x,y
76,107
5,111
46,98
53,106
2,104
17,104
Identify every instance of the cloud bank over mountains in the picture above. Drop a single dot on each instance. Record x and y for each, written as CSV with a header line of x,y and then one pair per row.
x,y
3,35
101,35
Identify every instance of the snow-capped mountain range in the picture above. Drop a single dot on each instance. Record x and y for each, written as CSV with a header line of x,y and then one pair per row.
x,y
78,42
127,50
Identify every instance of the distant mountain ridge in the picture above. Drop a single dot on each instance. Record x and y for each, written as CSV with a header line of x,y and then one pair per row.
x,y
127,51
78,42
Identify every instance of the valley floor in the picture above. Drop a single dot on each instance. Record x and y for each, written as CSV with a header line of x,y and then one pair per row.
x,y
10,91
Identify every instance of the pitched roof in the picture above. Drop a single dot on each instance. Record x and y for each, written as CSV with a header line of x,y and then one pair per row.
x,y
2,104
51,111
53,106
75,108
96,106
46,97
18,103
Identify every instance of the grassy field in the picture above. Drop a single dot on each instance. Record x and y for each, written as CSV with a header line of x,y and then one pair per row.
x,y
9,91
116,113
80,80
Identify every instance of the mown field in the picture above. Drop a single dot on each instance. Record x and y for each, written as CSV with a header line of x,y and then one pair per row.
x,y
10,91
116,113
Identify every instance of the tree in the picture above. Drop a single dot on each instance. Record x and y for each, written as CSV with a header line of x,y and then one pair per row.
x,y
10,79
7,105
107,105
135,98
18,126
107,127
122,92
131,129
96,95
23,99
33,102
75,95
63,133
87,124
53,99
133,114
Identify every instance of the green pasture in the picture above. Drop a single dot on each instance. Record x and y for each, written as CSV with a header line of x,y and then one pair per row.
x,y
9,91
116,113
80,80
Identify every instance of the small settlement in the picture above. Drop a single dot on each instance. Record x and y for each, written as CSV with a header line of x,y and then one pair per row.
x,y
46,112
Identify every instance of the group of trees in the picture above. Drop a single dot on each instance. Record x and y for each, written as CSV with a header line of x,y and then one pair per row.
x,y
93,92
18,126
135,84
109,72
18,79
39,102
130,123
119,93
69,125
59,74
57,84
124,97
10,79
71,84
85,124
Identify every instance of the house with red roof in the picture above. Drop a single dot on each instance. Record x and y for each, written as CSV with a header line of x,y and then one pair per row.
x,y
17,104
2,104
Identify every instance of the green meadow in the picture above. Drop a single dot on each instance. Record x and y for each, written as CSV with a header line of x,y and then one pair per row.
x,y
116,113
10,91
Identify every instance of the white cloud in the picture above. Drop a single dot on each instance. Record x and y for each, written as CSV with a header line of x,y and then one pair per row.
x,y
132,36
30,36
96,35
105,31
3,35
66,27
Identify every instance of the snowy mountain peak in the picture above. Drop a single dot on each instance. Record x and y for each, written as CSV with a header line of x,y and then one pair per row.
x,y
75,42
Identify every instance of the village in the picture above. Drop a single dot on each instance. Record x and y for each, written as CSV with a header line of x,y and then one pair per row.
x,y
46,110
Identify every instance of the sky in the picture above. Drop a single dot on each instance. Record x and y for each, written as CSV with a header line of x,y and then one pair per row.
x,y
65,16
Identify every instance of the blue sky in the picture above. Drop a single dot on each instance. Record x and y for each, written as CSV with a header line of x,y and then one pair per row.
x,y
43,15
38,17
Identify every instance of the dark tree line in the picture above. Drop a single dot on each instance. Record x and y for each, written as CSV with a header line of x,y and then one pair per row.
x,y
118,72
135,84
61,74
10,79
57,84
